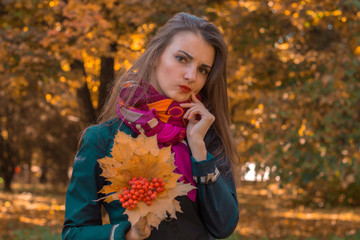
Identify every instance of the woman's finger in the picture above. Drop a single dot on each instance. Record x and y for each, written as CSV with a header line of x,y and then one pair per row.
x,y
194,112
204,115
194,98
188,105
142,227
191,104
202,110
196,109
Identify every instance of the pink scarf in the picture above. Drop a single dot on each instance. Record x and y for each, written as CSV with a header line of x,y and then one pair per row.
x,y
157,114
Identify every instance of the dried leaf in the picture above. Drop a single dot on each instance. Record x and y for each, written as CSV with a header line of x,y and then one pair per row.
x,y
141,157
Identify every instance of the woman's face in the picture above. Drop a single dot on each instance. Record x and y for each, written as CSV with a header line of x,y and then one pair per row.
x,y
183,67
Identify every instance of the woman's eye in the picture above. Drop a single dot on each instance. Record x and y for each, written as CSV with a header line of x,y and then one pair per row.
x,y
203,71
180,59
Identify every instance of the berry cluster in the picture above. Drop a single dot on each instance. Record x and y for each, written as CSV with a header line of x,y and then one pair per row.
x,y
140,190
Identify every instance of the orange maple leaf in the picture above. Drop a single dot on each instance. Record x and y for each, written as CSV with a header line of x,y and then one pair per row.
x,y
141,157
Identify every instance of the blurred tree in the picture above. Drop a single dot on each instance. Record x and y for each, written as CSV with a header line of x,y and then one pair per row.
x,y
28,72
294,92
51,50
293,80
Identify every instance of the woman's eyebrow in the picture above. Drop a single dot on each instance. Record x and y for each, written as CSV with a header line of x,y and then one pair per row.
x,y
191,57
204,65
188,55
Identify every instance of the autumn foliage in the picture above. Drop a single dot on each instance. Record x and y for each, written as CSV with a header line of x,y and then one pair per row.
x,y
293,83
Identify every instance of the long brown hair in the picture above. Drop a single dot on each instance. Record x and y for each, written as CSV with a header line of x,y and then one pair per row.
x,y
213,94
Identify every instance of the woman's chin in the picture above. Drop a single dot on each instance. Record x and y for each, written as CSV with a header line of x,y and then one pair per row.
x,y
182,98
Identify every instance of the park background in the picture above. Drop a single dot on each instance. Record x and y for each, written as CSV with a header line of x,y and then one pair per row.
x,y
294,99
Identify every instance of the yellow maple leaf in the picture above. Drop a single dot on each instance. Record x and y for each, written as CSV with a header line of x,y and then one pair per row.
x,y
141,157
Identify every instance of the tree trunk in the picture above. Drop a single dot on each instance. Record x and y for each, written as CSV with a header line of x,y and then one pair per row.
x,y
83,94
27,159
86,105
106,80
7,182
107,76
43,177
7,165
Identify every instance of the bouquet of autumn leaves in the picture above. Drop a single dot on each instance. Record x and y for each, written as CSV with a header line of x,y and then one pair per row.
x,y
142,178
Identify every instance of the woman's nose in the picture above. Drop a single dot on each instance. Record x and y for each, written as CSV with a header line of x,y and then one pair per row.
x,y
190,74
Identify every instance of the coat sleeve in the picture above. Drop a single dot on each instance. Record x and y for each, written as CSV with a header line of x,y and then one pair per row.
x,y
82,213
218,200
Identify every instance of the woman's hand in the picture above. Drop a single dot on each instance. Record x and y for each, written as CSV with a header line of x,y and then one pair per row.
x,y
139,230
197,129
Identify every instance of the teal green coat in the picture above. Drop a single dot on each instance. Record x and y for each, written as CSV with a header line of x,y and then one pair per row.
x,y
214,214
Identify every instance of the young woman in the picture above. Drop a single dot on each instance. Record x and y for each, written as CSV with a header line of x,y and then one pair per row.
x,y
177,90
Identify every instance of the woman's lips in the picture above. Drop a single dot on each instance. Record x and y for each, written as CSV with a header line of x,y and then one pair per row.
x,y
185,88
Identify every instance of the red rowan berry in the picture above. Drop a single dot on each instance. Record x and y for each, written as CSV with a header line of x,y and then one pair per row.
x,y
140,189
